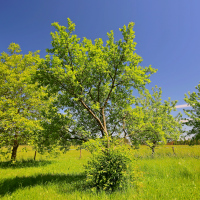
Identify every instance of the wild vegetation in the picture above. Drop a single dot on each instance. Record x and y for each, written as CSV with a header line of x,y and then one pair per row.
x,y
166,176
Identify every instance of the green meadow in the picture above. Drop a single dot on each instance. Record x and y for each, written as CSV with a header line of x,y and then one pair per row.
x,y
168,175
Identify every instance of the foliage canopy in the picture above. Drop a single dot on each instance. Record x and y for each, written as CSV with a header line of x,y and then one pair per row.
x,y
151,121
94,81
21,100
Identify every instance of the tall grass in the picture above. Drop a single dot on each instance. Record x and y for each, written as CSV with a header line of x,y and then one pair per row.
x,y
166,176
178,151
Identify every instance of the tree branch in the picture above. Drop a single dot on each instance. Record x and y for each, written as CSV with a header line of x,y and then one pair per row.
x,y
92,113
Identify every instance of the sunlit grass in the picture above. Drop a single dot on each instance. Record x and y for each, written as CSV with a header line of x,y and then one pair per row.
x,y
180,151
166,176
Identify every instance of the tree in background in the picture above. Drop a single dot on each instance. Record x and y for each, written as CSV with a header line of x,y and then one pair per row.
x,y
193,99
151,121
94,82
21,101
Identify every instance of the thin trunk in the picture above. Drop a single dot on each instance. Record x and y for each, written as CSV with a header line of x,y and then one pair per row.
x,y
173,150
124,125
35,155
105,128
80,152
153,148
104,121
101,128
14,150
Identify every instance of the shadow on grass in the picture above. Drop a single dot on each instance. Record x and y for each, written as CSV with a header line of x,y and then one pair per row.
x,y
24,164
11,185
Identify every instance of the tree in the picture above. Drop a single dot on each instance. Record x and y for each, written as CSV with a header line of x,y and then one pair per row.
x,y
21,101
193,100
151,121
94,82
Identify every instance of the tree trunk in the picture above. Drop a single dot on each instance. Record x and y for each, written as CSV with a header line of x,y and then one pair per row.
x,y
173,150
14,150
105,128
153,148
124,125
80,152
35,155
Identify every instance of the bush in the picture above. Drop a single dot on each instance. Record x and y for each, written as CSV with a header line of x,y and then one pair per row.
x,y
110,168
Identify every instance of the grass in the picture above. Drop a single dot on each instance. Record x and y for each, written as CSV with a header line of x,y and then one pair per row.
x,y
166,176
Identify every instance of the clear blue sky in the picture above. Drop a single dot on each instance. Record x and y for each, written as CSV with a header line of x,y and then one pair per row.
x,y
167,32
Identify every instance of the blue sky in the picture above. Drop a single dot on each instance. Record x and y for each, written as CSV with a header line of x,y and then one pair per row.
x,y
167,32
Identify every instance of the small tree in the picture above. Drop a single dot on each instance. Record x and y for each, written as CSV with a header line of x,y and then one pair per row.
x,y
151,121
21,101
193,99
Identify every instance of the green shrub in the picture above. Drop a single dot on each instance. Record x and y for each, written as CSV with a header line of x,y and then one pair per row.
x,y
110,168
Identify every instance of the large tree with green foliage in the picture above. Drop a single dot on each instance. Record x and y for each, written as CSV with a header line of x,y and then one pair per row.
x,y
193,100
94,81
151,121
21,100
